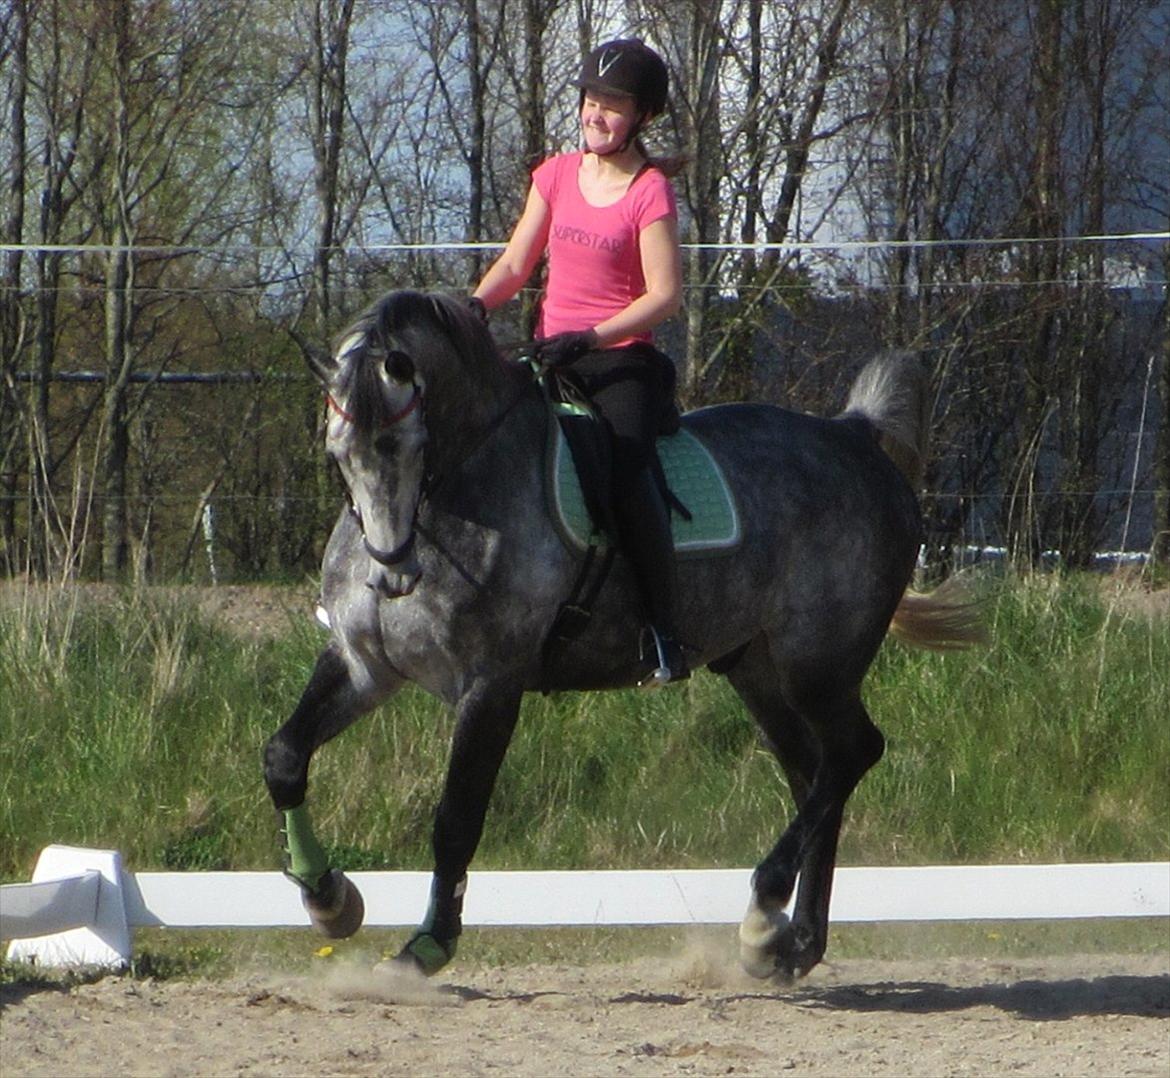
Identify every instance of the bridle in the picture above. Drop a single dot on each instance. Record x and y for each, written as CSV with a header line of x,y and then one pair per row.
x,y
431,482
416,399
387,558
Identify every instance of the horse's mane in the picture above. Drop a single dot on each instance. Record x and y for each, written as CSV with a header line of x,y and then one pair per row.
x,y
381,328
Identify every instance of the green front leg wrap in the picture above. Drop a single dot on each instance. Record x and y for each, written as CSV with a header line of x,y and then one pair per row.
x,y
307,861
434,944
430,954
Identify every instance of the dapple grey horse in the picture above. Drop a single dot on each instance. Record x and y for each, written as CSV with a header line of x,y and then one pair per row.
x,y
446,570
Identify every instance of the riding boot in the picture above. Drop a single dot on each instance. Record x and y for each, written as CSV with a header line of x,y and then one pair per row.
x,y
645,536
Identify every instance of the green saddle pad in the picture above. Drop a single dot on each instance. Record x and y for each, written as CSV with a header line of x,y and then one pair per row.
x,y
692,474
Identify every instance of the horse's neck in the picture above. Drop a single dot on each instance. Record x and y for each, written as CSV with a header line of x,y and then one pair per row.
x,y
458,413
498,420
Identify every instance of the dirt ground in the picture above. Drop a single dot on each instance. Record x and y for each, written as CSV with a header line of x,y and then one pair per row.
x,y
694,1014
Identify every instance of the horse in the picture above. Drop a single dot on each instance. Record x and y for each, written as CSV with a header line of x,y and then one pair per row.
x,y
445,570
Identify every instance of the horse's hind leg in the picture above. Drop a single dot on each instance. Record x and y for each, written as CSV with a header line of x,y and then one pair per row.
x,y
767,938
824,750
327,706
486,717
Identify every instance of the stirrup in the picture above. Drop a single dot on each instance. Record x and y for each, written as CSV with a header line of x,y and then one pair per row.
x,y
672,662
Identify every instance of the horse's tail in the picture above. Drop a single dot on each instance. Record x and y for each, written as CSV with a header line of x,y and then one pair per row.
x,y
946,619
891,392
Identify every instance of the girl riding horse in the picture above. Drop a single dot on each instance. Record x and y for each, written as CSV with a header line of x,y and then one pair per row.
x,y
606,217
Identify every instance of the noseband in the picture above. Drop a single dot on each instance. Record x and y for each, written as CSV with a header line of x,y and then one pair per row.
x,y
389,558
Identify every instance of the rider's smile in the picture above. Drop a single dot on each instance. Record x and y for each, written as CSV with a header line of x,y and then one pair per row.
x,y
606,122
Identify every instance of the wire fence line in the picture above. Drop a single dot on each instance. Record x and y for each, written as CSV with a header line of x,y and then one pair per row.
x,y
246,443
1130,273
942,285
490,245
162,499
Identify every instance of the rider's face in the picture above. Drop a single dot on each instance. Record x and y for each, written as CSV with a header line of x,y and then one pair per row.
x,y
606,120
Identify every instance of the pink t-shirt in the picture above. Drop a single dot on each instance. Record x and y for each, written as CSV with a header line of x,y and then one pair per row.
x,y
594,258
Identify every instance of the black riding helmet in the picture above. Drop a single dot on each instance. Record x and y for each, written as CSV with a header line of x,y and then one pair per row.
x,y
628,68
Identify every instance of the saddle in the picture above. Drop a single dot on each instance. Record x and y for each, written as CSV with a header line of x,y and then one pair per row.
x,y
705,520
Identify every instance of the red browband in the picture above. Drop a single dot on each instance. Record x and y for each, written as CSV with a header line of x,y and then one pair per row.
x,y
410,406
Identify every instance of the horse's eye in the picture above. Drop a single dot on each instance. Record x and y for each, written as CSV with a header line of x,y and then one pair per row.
x,y
400,366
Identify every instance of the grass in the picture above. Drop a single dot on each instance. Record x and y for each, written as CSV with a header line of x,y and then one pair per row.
x,y
137,724
1049,745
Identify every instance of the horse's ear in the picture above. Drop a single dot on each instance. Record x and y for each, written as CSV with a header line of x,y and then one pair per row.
x,y
439,304
320,362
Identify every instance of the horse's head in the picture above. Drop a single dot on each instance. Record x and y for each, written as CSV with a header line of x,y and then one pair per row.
x,y
404,344
376,434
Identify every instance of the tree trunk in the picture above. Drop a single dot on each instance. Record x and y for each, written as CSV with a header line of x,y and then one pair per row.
x,y
475,149
1042,262
11,321
331,30
118,297
703,173
115,414
1161,545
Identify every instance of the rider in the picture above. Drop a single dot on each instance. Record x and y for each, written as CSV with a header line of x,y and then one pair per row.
x,y
606,217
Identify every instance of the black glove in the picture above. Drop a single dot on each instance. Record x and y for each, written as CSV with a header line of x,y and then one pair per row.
x,y
563,348
476,306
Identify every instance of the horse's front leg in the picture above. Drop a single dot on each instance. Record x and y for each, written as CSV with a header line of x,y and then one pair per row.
x,y
329,703
486,717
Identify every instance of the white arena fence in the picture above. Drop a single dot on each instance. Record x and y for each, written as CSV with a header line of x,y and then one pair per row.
x,y
81,906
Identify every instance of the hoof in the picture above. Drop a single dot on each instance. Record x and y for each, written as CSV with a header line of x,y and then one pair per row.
x,y
426,954
336,907
764,943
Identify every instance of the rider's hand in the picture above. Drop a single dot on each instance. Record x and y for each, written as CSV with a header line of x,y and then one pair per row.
x,y
563,348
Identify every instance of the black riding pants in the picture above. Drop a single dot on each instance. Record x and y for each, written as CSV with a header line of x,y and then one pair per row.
x,y
630,388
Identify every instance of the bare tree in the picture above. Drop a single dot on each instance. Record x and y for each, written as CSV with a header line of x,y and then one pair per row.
x,y
158,70
695,43
59,70
298,151
1009,121
757,104
14,35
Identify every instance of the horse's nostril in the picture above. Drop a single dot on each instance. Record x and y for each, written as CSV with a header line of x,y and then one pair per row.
x,y
381,585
